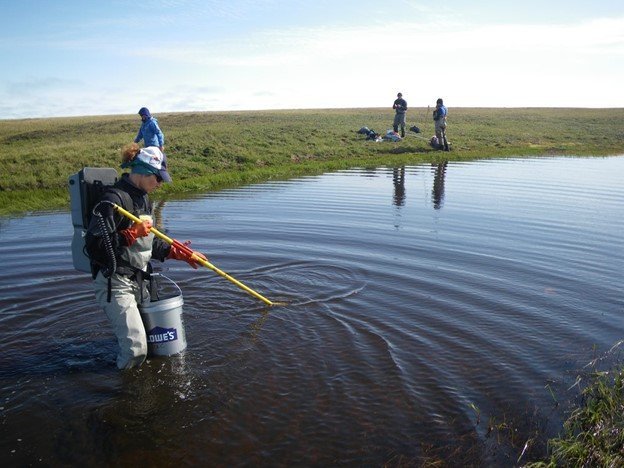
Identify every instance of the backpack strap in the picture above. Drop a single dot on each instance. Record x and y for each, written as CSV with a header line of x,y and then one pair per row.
x,y
127,204
124,197
139,275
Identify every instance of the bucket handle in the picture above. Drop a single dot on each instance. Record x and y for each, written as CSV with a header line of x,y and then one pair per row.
x,y
154,282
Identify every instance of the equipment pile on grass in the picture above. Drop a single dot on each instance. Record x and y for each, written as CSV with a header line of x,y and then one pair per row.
x,y
370,134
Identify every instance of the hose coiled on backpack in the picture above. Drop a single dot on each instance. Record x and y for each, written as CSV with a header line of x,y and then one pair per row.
x,y
111,266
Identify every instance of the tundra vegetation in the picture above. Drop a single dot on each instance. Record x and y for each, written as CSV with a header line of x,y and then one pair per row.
x,y
212,150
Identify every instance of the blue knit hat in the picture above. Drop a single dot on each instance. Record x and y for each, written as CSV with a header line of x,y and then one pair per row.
x,y
145,111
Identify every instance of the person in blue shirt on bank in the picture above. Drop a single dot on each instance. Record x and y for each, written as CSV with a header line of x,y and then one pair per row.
x,y
439,117
150,132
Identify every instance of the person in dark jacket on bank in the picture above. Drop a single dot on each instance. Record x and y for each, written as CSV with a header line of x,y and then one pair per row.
x,y
150,132
400,108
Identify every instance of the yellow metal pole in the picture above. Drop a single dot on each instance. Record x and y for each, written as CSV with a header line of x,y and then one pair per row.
x,y
197,258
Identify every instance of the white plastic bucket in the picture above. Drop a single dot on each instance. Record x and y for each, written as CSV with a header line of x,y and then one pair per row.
x,y
163,323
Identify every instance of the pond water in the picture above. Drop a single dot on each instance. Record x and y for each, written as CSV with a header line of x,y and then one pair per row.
x,y
435,313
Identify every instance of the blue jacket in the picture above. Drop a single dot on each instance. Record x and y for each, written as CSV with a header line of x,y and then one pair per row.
x,y
150,133
440,112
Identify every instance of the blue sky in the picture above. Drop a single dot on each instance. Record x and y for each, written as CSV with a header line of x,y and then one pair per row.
x,y
70,57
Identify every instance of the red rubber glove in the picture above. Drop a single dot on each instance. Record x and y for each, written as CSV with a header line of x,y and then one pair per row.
x,y
135,231
183,252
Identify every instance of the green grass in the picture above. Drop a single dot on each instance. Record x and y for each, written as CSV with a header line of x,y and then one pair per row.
x,y
593,434
211,150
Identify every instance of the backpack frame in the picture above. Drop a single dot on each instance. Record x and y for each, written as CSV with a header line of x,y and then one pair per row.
x,y
86,188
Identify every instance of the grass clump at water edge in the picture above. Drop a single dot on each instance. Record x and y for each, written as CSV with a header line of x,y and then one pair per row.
x,y
593,434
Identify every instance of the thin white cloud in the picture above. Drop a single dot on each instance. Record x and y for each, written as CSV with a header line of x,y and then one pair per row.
x,y
379,42
356,66
40,84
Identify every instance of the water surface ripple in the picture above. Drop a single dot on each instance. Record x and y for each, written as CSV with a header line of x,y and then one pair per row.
x,y
431,312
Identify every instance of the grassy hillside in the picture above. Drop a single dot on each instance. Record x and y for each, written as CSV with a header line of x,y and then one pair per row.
x,y
209,150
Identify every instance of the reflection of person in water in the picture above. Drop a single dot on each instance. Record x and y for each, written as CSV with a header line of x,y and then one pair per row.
x,y
398,179
158,217
437,194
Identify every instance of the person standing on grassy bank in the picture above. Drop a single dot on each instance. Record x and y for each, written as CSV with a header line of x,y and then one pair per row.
x,y
150,132
439,117
120,250
400,108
